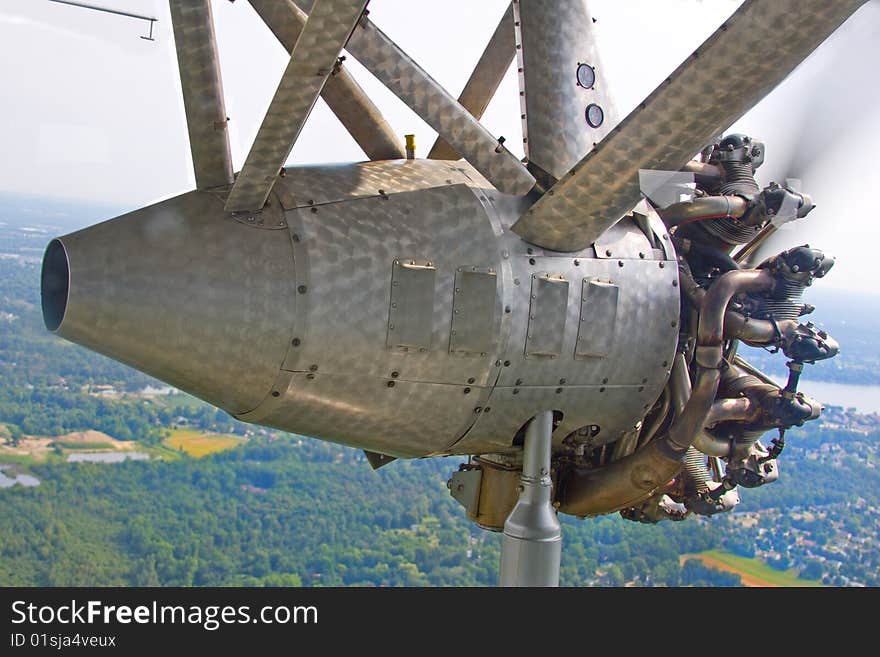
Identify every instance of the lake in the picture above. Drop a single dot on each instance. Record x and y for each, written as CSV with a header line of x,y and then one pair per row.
x,y
106,457
865,399
22,479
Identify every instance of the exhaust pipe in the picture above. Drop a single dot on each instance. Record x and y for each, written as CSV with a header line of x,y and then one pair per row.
x,y
625,483
181,291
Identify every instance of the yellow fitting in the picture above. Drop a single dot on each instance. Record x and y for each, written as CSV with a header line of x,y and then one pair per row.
x,y
410,142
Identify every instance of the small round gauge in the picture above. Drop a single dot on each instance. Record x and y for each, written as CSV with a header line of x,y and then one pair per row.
x,y
586,76
595,115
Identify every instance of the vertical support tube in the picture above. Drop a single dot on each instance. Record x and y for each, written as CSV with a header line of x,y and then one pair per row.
x,y
199,66
532,545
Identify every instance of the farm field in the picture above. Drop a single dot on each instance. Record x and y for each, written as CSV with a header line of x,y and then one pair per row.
x,y
199,443
753,572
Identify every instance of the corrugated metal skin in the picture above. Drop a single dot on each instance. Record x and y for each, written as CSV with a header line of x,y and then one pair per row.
x,y
737,66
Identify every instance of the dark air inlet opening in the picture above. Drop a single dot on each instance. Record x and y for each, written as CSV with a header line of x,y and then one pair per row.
x,y
54,284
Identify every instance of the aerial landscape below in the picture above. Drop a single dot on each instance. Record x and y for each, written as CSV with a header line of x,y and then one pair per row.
x,y
288,300
111,478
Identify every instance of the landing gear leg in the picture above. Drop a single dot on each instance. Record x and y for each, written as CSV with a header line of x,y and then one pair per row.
x,y
532,545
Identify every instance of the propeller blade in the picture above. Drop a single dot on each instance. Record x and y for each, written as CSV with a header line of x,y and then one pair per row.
x,y
484,81
313,58
199,67
341,92
815,121
751,53
409,82
566,107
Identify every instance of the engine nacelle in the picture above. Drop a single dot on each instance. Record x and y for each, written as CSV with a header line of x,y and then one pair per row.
x,y
384,305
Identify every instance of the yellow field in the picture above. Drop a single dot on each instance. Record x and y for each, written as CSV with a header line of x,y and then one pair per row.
x,y
753,572
198,444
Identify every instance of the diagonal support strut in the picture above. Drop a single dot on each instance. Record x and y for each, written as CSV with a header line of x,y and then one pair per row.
x,y
484,81
311,62
345,98
752,52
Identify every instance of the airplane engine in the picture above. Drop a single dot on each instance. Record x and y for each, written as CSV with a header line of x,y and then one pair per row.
x,y
382,305
566,319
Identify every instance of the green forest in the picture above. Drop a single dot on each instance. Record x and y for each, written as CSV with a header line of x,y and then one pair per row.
x,y
286,512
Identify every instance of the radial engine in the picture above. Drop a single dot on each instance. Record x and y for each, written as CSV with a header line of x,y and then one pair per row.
x,y
700,441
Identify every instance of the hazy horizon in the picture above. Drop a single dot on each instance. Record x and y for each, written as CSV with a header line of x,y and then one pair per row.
x,y
97,114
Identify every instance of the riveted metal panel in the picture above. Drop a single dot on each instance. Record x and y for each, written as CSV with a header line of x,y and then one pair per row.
x,y
349,247
328,183
596,329
474,311
553,38
753,51
322,316
547,311
270,217
621,241
271,401
496,209
301,297
411,309
399,418
615,409
648,307
421,93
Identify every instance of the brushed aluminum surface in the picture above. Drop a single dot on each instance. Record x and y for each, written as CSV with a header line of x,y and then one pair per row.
x,y
406,420
474,311
411,312
290,328
647,316
184,293
305,186
598,318
751,53
409,82
311,62
553,37
341,92
351,248
199,66
484,81
547,314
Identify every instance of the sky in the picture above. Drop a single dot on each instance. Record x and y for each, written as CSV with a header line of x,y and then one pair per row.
x,y
90,111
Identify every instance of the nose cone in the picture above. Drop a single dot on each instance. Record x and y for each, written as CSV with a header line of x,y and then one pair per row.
x,y
181,291
54,284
